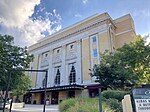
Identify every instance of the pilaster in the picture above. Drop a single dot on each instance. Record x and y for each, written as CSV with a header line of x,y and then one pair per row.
x,y
79,72
63,67
50,73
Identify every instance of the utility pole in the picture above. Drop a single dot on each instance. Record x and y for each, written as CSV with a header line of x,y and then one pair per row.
x,y
45,90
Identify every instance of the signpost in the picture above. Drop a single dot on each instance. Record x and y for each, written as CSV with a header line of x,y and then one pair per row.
x,y
141,97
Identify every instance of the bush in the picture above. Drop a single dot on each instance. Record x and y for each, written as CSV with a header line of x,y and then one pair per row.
x,y
83,105
115,105
65,104
114,94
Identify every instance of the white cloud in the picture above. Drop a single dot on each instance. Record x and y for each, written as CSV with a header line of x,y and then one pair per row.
x,y
15,20
144,12
84,1
147,39
78,15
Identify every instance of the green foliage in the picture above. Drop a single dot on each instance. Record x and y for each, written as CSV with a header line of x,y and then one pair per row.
x,y
114,94
115,105
66,104
12,60
83,105
128,66
23,83
111,103
137,56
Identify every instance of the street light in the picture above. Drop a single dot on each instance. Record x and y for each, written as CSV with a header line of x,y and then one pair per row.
x,y
100,95
8,84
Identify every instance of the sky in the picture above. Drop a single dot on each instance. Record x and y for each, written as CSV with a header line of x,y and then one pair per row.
x,y
30,20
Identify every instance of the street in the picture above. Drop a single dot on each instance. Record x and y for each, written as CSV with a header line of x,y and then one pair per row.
x,y
37,108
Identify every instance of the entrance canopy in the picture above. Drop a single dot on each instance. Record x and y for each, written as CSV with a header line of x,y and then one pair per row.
x,y
59,88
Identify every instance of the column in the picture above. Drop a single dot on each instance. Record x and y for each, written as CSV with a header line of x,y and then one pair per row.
x,y
50,73
79,71
63,79
39,82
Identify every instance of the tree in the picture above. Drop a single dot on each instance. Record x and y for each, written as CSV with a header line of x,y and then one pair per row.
x,y
128,66
24,83
12,60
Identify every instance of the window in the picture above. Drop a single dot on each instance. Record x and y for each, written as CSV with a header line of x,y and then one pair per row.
x,y
57,78
94,39
71,46
46,54
72,77
95,52
58,50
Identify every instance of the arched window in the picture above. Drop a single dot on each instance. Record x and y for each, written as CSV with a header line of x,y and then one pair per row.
x,y
57,78
72,77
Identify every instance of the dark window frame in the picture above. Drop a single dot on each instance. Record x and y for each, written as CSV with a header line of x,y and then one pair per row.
x,y
72,76
57,77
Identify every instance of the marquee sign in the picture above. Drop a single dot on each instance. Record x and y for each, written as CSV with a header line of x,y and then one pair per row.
x,y
141,98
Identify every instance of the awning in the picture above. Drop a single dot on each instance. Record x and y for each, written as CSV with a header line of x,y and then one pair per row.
x,y
94,86
59,88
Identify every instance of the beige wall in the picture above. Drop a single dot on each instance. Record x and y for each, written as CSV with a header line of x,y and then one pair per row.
x,y
74,48
63,95
124,38
124,23
86,59
104,42
55,51
36,97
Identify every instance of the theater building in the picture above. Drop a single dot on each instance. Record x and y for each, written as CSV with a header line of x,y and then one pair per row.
x,y
70,53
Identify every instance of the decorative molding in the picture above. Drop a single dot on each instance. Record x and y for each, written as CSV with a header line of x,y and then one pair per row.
x,y
72,34
44,63
57,59
71,55
100,29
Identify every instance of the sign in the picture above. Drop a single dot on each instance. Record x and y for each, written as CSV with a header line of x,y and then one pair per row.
x,y
141,98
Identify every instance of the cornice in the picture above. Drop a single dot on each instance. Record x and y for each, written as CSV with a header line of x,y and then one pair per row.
x,y
86,28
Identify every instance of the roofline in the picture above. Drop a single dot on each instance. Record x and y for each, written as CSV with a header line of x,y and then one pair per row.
x,y
69,27
72,26
127,15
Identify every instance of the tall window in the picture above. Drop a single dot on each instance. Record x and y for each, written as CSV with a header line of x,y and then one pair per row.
x,y
94,39
57,78
72,77
95,52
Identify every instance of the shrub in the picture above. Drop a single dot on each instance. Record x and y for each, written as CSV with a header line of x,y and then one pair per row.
x,y
83,105
65,104
114,94
114,105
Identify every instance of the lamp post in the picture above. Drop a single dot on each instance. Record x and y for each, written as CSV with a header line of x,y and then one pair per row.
x,y
99,92
45,89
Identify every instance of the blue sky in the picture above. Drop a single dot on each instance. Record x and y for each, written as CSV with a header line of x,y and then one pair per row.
x,y
72,11
37,18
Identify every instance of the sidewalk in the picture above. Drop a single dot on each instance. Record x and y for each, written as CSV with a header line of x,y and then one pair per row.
x,y
37,108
